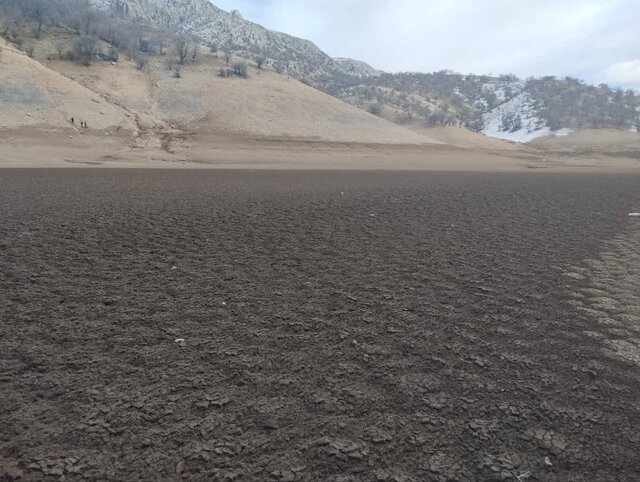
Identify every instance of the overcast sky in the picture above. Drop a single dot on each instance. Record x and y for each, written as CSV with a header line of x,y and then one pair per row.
x,y
596,40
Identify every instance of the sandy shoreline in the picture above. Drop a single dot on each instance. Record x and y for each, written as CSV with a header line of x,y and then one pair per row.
x,y
106,149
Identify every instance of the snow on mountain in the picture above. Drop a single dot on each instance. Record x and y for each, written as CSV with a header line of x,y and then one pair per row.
x,y
510,107
516,120
504,90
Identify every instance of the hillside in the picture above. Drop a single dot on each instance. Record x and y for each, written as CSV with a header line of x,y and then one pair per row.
x,y
230,32
265,104
32,95
503,106
159,36
150,102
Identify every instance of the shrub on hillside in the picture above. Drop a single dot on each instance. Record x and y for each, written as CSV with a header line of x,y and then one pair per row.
x,y
140,61
84,50
375,109
240,69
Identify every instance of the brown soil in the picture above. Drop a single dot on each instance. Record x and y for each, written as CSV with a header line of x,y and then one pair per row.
x,y
337,326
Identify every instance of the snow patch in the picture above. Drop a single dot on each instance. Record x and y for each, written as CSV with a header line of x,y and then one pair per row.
x,y
504,90
516,120
563,132
634,129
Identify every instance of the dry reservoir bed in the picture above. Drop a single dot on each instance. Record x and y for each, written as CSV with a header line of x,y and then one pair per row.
x,y
335,326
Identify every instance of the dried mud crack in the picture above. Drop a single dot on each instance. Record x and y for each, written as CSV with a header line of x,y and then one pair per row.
x,y
325,326
612,293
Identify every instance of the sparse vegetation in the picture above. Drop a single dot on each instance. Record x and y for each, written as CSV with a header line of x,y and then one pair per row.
x,y
194,51
442,98
375,109
183,47
60,48
113,55
240,69
141,62
38,10
84,50
447,98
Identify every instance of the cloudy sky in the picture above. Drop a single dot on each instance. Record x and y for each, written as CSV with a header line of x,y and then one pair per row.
x,y
596,40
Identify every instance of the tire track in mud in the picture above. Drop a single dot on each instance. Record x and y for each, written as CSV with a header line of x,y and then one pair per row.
x,y
611,294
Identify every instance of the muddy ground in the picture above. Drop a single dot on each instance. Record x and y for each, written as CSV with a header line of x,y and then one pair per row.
x,y
336,326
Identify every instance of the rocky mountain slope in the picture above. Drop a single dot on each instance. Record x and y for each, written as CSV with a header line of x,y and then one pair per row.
x,y
505,107
229,31
153,105
499,106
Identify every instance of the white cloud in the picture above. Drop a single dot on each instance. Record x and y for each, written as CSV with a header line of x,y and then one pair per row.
x,y
626,74
529,37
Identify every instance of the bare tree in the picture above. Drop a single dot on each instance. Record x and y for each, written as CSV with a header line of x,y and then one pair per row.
x,y
60,50
159,41
40,12
375,109
84,50
140,61
114,54
194,51
260,60
183,46
84,21
240,69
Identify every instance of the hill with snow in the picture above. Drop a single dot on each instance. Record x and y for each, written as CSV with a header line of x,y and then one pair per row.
x,y
503,106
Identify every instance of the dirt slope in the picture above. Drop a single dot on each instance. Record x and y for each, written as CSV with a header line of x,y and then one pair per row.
x,y
33,95
264,105
591,139
464,138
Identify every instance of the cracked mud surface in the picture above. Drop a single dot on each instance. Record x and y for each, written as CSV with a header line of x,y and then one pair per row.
x,y
611,294
329,326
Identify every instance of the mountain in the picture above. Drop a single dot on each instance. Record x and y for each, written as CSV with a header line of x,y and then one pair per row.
x,y
356,68
502,106
230,32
